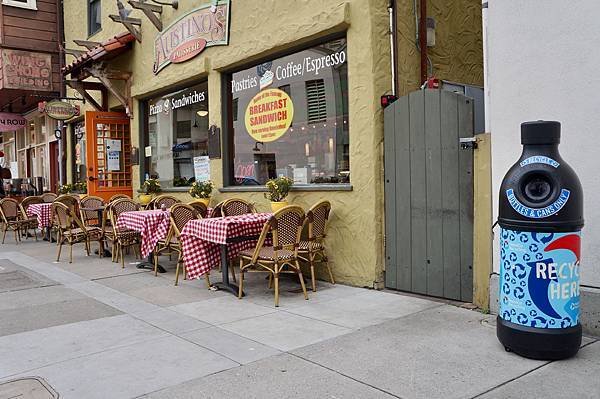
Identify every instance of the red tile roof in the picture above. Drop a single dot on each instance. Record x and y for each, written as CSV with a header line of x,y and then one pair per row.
x,y
104,51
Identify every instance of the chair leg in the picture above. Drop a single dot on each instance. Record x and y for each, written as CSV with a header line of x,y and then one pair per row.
x,y
270,286
301,277
17,238
328,269
207,280
177,273
122,253
276,278
59,250
156,264
241,287
70,252
4,235
311,260
232,269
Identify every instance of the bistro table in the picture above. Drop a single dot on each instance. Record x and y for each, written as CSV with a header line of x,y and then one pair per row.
x,y
208,242
43,213
153,226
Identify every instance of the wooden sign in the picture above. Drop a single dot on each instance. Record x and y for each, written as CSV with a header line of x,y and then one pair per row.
x,y
10,122
188,36
26,70
58,110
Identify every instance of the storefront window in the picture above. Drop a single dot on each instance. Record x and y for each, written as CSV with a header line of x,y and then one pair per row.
x,y
80,170
290,118
177,135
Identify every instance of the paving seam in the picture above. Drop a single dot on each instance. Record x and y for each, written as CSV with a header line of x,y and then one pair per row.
x,y
346,376
354,329
82,356
117,276
524,374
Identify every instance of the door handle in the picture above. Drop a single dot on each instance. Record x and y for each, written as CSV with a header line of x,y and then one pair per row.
x,y
92,178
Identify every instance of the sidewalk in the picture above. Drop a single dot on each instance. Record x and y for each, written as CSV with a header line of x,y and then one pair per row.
x,y
93,330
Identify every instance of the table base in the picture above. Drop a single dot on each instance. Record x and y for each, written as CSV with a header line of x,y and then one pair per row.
x,y
149,264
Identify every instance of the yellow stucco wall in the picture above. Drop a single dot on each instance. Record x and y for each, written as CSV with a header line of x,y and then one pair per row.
x,y
458,52
355,238
355,235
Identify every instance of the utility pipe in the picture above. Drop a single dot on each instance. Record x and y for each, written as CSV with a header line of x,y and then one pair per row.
x,y
393,44
423,39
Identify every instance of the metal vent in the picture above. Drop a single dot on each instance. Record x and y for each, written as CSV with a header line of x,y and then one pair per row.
x,y
316,101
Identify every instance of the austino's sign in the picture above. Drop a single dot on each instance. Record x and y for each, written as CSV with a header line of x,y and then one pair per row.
x,y
59,110
188,36
10,122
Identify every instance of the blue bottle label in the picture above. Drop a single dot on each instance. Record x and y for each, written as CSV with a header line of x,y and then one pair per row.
x,y
539,278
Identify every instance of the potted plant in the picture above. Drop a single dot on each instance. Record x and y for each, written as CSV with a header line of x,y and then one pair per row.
x,y
278,190
65,189
202,191
149,188
80,188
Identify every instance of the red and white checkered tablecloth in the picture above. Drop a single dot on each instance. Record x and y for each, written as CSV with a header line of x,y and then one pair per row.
x,y
43,212
201,238
152,225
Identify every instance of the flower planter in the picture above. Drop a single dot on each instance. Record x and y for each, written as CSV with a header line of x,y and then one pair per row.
x,y
145,198
275,206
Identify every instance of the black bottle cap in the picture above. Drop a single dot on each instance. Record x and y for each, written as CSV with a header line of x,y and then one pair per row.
x,y
540,132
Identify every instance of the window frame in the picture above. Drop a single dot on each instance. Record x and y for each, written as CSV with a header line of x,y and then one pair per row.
x,y
30,5
89,17
144,133
227,131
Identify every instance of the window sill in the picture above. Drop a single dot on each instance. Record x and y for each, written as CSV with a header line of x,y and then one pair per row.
x,y
308,187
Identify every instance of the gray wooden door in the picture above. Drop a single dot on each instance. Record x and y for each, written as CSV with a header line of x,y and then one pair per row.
x,y
429,194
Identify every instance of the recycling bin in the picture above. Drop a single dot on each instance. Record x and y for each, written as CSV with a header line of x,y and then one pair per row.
x,y
540,218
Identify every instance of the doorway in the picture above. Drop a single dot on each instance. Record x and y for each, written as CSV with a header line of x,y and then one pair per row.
x,y
54,162
108,151
429,194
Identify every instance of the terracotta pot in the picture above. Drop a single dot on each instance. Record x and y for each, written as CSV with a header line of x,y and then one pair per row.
x,y
275,206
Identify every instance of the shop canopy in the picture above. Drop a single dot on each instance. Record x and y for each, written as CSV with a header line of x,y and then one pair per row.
x,y
93,63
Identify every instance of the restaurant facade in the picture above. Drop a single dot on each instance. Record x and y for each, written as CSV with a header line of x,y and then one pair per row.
x,y
30,65
250,92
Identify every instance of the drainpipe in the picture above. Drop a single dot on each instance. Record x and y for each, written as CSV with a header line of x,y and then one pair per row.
x,y
393,44
62,145
423,39
486,71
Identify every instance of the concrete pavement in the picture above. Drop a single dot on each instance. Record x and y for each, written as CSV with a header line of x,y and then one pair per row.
x,y
93,330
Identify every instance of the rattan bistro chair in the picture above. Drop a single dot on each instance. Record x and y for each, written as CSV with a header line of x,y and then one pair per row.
x,y
48,197
200,207
29,223
73,231
72,203
167,200
123,238
217,210
10,218
286,228
88,216
312,251
237,207
117,197
180,214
